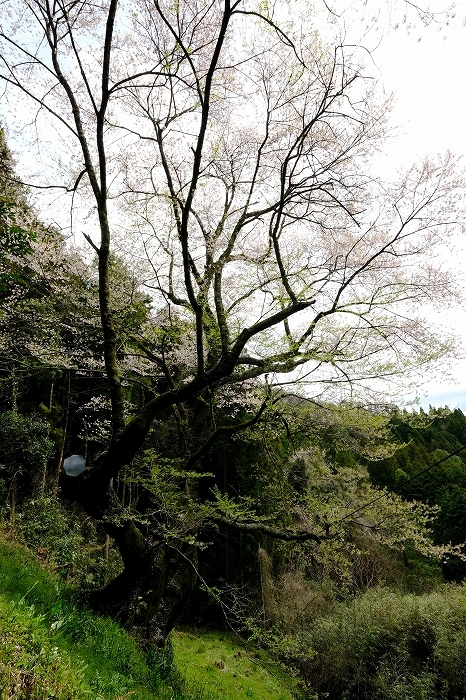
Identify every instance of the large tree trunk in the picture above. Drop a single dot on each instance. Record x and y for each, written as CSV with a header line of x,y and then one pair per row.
x,y
158,576
149,599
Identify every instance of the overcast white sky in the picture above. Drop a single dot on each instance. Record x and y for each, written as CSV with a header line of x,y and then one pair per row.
x,y
425,69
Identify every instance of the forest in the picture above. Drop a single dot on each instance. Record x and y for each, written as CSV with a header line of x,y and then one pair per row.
x,y
204,324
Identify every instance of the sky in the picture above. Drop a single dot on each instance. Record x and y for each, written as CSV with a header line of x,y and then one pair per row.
x,y
425,69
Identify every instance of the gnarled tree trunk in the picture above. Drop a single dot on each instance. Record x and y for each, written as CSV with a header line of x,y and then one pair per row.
x,y
158,578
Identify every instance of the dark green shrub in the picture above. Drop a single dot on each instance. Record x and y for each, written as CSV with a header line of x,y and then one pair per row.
x,y
68,541
25,449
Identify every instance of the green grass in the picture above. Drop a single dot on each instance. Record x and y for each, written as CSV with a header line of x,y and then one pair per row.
x,y
31,665
51,648
214,663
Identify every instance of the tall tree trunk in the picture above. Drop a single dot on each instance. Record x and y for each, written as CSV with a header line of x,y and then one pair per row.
x,y
149,595
158,576
13,504
65,432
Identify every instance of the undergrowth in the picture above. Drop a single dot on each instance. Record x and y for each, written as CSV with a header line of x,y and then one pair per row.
x,y
386,645
53,649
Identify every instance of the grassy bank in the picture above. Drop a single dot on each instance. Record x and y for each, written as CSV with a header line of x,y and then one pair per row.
x,y
53,649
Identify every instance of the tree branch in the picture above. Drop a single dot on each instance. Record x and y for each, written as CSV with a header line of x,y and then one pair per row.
x,y
260,528
226,430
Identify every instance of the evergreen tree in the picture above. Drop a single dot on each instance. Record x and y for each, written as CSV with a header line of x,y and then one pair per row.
x,y
425,440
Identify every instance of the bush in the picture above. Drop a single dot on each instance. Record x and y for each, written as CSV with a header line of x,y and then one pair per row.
x,y
389,646
25,449
67,541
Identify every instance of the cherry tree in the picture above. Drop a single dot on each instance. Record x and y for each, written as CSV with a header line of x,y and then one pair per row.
x,y
227,149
